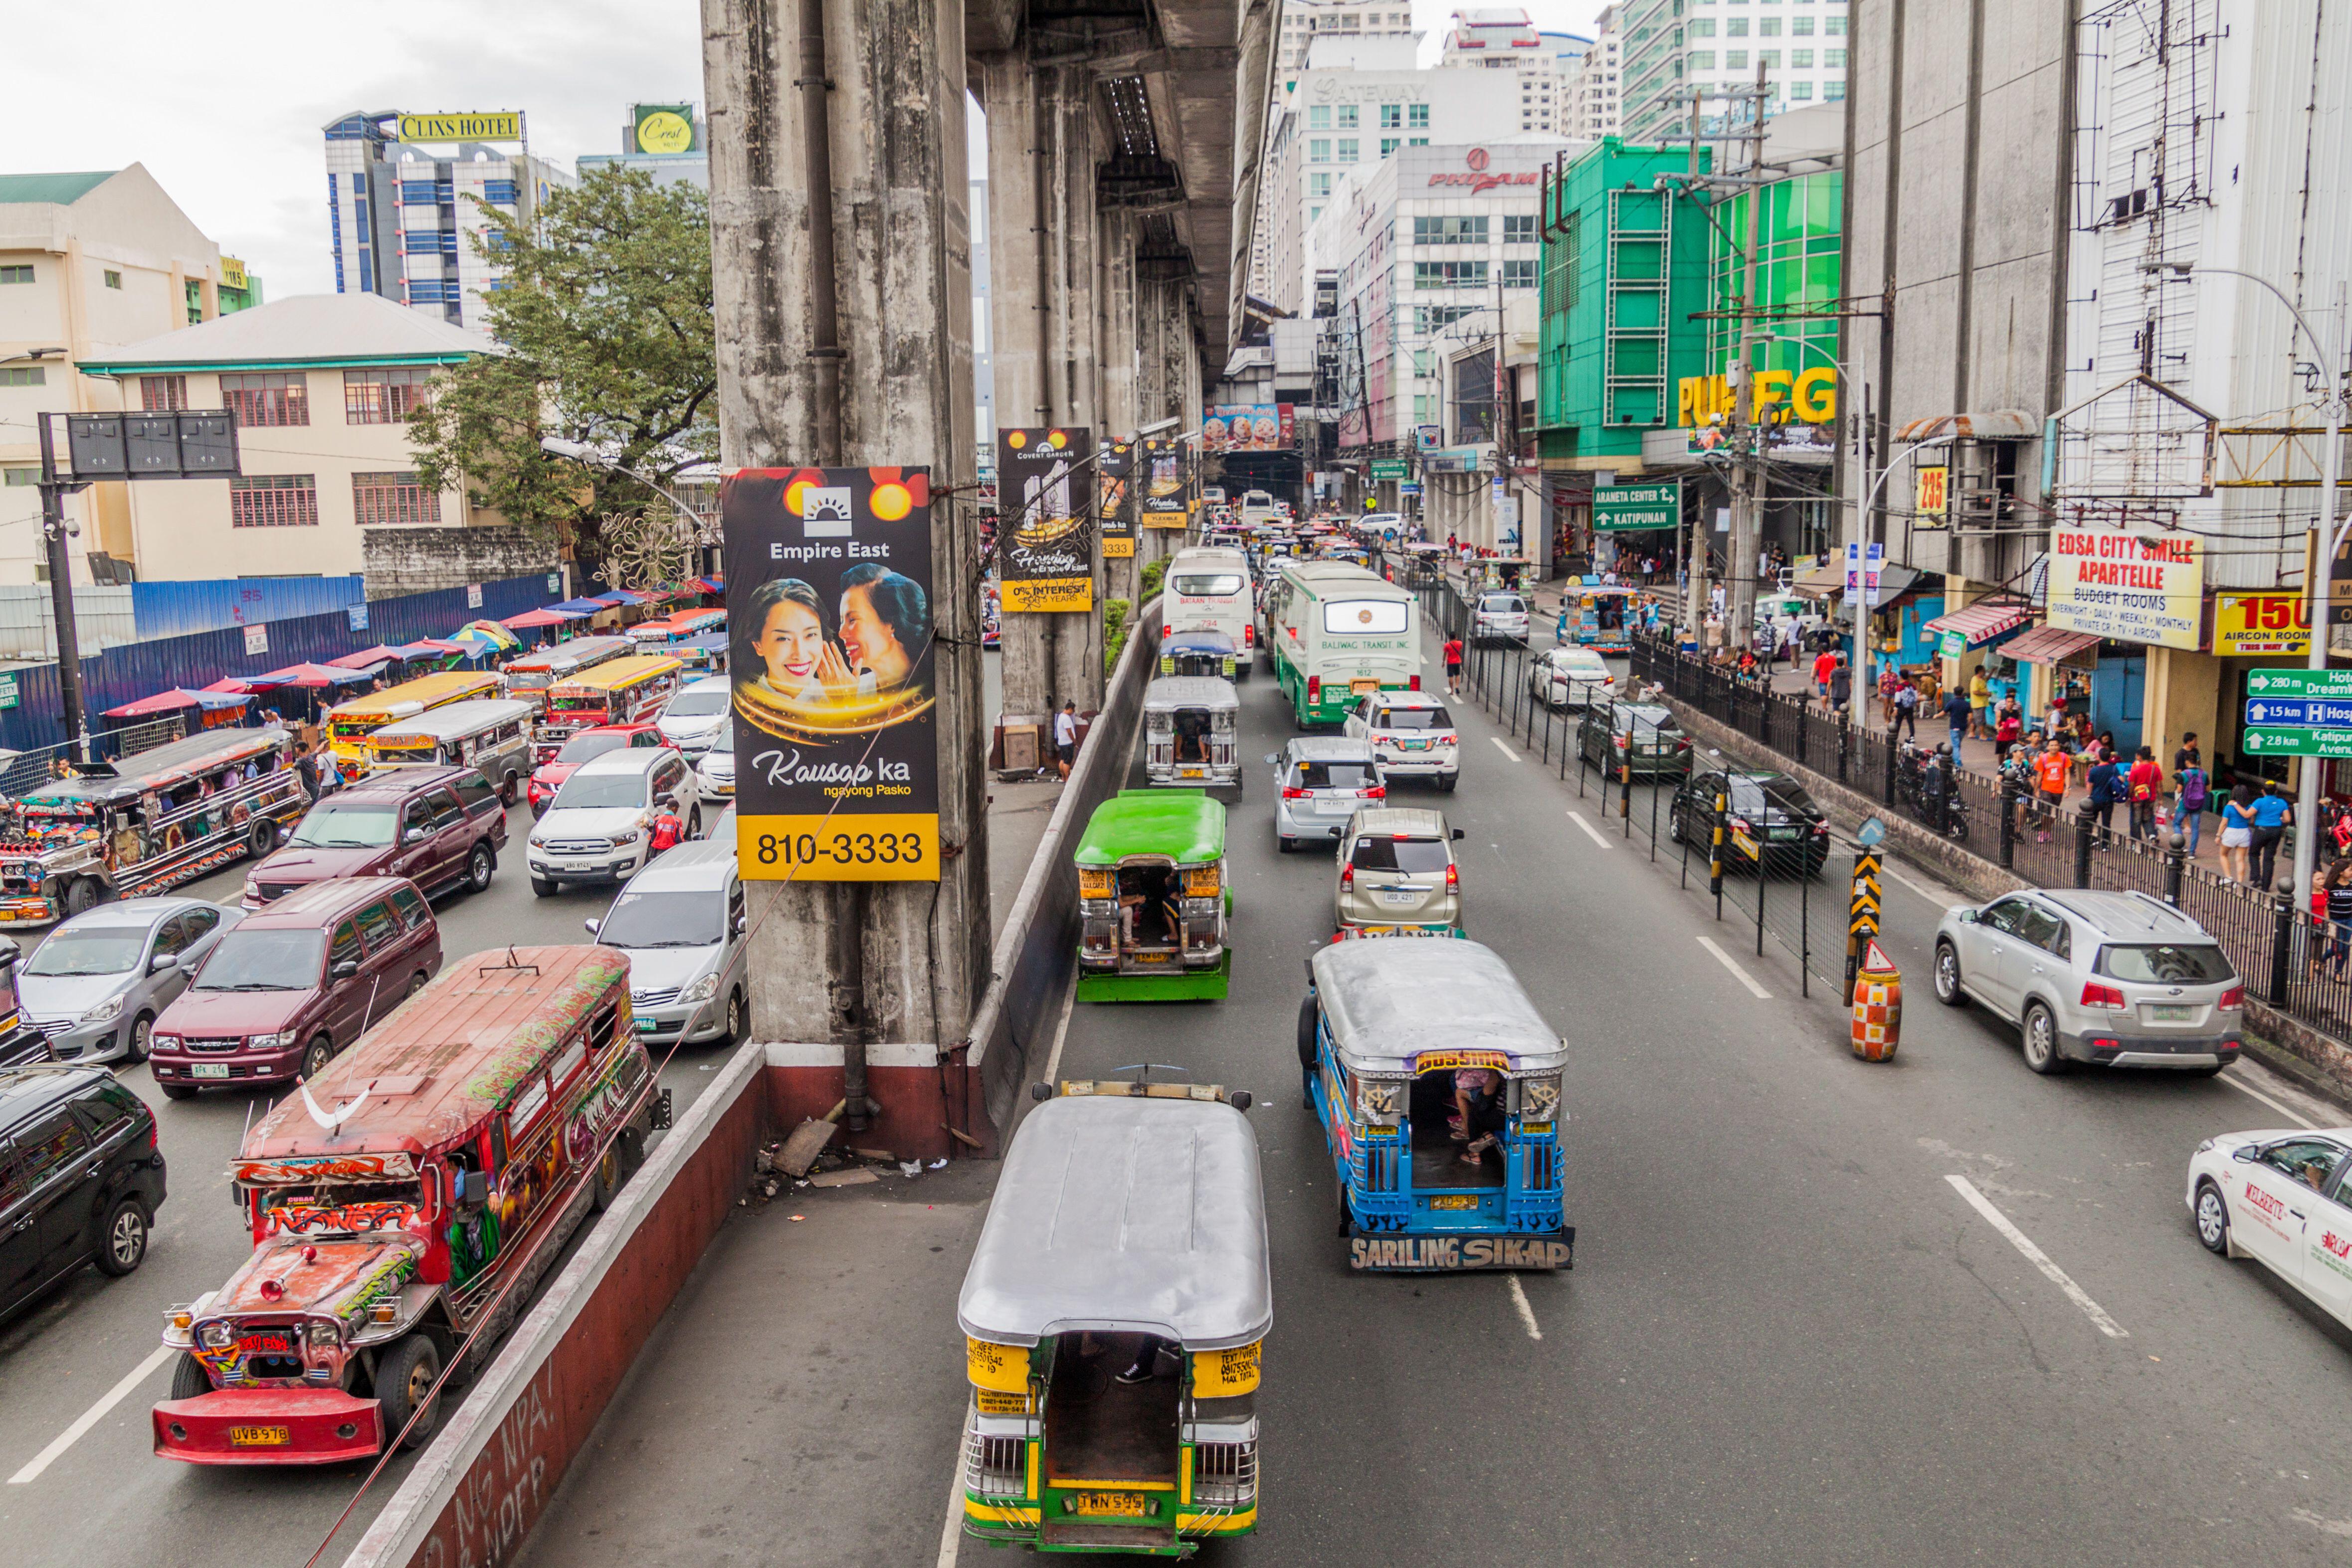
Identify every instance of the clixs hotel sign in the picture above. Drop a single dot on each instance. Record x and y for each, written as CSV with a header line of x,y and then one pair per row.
x,y
1478,177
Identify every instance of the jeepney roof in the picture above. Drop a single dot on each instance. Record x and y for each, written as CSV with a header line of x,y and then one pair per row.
x,y
1184,825
1389,1000
162,767
455,720
1190,692
626,671
434,1070
570,652
1125,1215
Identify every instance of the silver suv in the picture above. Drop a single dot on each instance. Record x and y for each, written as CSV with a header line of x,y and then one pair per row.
x,y
1499,615
2117,979
1398,874
1321,781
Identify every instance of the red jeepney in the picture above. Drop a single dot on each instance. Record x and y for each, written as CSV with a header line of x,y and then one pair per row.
x,y
404,1203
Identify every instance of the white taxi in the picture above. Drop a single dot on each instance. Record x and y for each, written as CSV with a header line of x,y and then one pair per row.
x,y
1412,735
2281,1198
1570,677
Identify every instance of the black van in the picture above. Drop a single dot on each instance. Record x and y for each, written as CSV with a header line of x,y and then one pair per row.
x,y
80,1177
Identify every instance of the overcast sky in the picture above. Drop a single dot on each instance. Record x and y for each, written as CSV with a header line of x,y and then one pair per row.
x,y
226,107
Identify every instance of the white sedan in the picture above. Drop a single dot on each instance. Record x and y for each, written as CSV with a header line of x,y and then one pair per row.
x,y
1572,678
2281,1198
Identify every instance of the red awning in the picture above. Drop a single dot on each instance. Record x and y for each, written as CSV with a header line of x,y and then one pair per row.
x,y
1984,621
2049,645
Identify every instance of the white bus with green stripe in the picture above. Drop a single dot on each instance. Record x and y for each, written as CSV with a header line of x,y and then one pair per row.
x,y
1338,632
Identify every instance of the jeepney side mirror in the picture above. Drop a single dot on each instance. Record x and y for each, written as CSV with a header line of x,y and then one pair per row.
x,y
1457,833
473,1188
1040,1093
1239,1099
743,925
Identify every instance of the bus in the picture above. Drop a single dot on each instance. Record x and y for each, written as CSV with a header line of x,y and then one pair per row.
x,y
1335,633
530,678
628,690
349,725
1208,590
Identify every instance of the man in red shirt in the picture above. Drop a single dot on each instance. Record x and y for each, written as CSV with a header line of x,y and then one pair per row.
x,y
1454,667
2141,786
1824,666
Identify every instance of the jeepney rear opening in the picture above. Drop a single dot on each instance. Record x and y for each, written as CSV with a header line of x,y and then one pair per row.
x,y
1111,1410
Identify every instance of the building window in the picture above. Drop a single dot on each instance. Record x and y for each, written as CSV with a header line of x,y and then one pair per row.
x,y
22,375
1736,28
1391,116
1801,59
1346,149
1449,274
274,500
1519,274
1769,27
382,396
1388,145
1703,27
1318,184
1319,118
1702,60
1833,59
1416,116
159,393
1833,26
273,399
16,274
1319,150
1518,228
1832,89
1422,413
17,477
1416,141
1314,213
1801,26
1428,319
1801,90
1735,59
1768,58
113,279
1347,116
393,498
1450,230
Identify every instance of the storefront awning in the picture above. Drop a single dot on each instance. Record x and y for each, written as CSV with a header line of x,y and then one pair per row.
x,y
2050,645
1982,621
1820,582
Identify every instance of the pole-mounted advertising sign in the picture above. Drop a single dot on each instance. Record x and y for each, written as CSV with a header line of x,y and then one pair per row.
x,y
829,637
1046,506
1166,483
1115,507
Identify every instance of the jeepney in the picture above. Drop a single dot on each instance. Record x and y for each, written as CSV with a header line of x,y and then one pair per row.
x,y
1190,730
1603,617
1438,1086
1153,904
1114,1386
492,733
1200,653
628,690
403,1205
146,823
529,677
348,725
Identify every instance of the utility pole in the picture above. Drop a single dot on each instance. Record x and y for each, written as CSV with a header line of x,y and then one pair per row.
x,y
54,491
1696,561
1747,433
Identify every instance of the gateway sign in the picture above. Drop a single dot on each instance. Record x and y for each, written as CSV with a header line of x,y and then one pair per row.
x,y
2142,585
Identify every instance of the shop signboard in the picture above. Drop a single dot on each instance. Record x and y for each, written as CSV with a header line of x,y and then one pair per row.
x,y
1164,479
1658,505
1046,525
829,613
1930,488
2142,585
1116,500
2261,623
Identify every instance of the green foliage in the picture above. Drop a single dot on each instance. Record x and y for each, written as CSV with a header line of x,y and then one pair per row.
x,y
1114,630
1152,572
606,319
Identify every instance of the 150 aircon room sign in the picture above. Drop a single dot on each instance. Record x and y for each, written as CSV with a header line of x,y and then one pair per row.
x,y
2142,585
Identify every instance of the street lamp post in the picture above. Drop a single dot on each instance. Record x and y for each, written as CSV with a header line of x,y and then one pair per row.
x,y
54,491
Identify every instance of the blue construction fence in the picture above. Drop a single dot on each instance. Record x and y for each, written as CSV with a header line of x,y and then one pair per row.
x,y
180,609
132,670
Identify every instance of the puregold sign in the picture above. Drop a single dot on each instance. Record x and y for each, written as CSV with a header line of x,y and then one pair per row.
x,y
461,127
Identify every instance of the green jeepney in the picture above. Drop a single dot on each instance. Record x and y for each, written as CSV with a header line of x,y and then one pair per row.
x,y
1152,899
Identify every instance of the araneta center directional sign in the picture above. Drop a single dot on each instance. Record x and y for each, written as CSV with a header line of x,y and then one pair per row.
x,y
1638,506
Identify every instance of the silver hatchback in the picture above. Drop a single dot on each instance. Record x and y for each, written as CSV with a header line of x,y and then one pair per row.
x,y
2115,979
97,981
1321,781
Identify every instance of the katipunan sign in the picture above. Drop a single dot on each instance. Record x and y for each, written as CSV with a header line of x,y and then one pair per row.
x,y
1478,177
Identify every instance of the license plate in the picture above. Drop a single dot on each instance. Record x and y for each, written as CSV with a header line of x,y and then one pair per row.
x,y
1412,745
8,914
1362,688
646,1026
1149,957
1127,1505
1455,1201
1188,772
1401,901
209,1070
258,1437
2167,1013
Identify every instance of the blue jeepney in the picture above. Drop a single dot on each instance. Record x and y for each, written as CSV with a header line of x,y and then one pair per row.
x,y
1602,614
1397,1041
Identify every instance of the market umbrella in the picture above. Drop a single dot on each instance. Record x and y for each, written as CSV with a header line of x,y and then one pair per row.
x,y
619,596
313,677
427,647
175,699
582,606
530,620
369,658
490,632
233,686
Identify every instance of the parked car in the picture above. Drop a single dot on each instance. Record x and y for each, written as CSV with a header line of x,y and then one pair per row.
x,y
1321,781
1398,874
1635,734
2281,1198
22,1040
585,746
97,983
80,1177
1767,814
600,827
1412,735
2117,979
439,827
1498,615
714,775
682,922
1570,677
694,719
295,983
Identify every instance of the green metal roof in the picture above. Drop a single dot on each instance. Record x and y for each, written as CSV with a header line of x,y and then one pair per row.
x,y
63,189
1184,825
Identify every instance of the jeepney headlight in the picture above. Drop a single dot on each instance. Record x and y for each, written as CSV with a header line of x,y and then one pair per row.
x,y
179,1317
702,990
105,1012
216,1335
321,1334
1380,1101
1540,1098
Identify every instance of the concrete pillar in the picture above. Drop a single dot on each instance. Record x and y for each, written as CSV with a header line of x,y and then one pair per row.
x,y
1068,113
848,964
1115,296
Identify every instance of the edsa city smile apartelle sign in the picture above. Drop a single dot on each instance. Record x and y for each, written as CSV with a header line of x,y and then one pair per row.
x,y
2142,585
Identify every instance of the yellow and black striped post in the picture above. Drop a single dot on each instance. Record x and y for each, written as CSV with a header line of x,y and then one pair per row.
x,y
1862,914
1715,854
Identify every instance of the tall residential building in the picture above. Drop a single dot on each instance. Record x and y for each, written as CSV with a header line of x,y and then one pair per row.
x,y
1589,102
1506,39
401,192
1673,46
666,141
1304,21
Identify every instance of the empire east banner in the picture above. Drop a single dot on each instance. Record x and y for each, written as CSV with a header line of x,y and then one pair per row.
x,y
829,638
1115,505
1166,484
1045,507
2142,585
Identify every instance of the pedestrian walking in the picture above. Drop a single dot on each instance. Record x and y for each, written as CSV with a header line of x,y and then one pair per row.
x,y
2144,784
1980,698
2005,730
2106,787
2190,790
2273,817
1825,665
1906,712
1956,715
1454,667
1066,740
2050,767
1841,686
2333,899
306,768
2238,832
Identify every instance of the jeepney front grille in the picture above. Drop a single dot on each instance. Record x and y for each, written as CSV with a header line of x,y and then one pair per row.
x,y
1225,1475
996,1467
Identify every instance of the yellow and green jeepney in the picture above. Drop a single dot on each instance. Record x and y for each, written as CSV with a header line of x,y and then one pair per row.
x,y
1114,1386
1153,903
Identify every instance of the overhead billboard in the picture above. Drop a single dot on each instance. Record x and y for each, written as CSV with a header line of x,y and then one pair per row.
x,y
2142,585
661,130
1045,521
1248,427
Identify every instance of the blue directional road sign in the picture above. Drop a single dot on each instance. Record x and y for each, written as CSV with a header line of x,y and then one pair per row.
x,y
2303,712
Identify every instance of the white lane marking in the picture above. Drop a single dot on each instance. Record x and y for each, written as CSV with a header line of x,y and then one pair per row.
x,y
1527,1312
92,1417
1504,749
1725,960
2039,1258
1062,1029
1942,900
1591,832
2278,1105
951,1532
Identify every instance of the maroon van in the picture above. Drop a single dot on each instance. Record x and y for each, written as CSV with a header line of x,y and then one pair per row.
x,y
439,827
294,983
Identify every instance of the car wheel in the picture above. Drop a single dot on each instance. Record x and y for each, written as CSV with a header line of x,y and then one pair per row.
x,y
694,822
2040,1041
1346,1215
1947,977
143,1030
542,887
734,1035
1285,845
178,1090
479,868
2212,1219
315,1059
609,1177
417,981
122,1244
189,1379
1447,780
1306,1010
82,895
1674,825
403,1383
508,790
263,839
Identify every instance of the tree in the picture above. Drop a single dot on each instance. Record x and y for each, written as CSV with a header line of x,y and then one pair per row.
x,y
606,320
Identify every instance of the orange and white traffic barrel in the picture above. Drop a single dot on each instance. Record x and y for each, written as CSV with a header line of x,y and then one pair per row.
x,y
1878,1006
